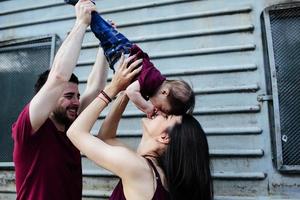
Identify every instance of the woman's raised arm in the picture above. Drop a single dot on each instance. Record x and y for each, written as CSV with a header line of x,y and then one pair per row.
x,y
79,132
109,127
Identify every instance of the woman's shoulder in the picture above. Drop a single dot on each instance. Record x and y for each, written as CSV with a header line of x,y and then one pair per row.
x,y
132,165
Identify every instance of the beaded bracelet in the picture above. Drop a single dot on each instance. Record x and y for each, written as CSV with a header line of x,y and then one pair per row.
x,y
106,96
103,99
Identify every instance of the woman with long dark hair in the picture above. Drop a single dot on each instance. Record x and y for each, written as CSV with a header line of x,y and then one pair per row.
x,y
186,161
172,159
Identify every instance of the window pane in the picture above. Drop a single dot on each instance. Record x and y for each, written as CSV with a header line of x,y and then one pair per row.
x,y
285,26
19,68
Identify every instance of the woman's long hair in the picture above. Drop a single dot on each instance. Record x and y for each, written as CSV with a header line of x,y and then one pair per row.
x,y
186,162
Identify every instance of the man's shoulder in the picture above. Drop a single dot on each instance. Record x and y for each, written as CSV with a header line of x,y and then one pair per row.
x,y
22,126
24,114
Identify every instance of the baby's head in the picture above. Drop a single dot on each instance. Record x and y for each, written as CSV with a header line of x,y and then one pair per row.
x,y
174,97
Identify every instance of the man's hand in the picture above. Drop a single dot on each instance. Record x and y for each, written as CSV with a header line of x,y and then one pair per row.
x,y
112,23
83,9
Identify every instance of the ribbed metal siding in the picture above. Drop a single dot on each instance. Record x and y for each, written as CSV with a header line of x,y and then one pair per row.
x,y
215,45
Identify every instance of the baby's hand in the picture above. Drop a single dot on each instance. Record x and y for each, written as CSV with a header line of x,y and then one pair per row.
x,y
151,111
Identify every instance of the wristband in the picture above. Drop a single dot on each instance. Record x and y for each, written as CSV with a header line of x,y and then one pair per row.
x,y
106,96
103,99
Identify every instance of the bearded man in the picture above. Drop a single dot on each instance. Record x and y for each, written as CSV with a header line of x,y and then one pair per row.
x,y
47,165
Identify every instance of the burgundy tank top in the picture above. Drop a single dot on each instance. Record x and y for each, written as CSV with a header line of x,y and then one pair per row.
x,y
160,193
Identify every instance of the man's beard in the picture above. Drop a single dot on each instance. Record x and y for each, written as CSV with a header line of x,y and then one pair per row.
x,y
60,115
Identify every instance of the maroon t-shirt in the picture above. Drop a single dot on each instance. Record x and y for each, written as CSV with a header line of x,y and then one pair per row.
x,y
47,165
149,78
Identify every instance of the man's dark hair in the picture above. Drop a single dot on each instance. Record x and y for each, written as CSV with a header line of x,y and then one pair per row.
x,y
43,78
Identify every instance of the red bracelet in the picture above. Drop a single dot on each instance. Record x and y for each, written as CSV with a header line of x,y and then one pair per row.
x,y
106,96
103,99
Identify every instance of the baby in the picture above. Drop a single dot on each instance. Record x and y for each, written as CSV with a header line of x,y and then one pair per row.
x,y
150,92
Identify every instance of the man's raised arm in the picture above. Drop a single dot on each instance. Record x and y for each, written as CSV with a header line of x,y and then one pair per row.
x,y
96,80
64,63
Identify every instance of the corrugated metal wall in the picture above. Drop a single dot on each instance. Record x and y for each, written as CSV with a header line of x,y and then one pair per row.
x,y
216,46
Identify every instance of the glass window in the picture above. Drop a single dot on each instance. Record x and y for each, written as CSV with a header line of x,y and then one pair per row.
x,y
282,42
21,63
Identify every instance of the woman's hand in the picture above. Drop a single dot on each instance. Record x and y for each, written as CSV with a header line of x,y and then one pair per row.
x,y
123,75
